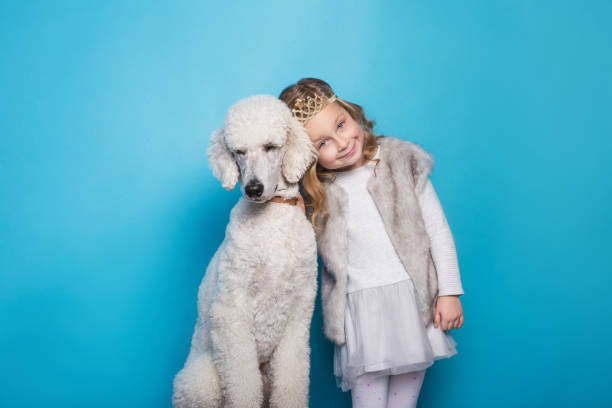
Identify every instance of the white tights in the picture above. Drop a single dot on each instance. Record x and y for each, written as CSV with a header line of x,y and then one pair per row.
x,y
391,391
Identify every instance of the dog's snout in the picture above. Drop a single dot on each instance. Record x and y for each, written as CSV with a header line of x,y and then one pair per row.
x,y
254,189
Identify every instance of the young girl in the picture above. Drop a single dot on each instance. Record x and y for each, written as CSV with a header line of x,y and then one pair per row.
x,y
390,279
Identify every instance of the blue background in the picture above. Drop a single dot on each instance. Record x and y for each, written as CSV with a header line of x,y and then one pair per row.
x,y
109,213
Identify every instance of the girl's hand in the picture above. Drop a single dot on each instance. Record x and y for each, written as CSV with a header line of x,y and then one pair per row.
x,y
449,312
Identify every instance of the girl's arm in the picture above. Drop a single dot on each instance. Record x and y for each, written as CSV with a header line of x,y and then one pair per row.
x,y
442,243
449,312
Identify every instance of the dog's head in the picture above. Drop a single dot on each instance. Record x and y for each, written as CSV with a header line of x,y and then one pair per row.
x,y
260,142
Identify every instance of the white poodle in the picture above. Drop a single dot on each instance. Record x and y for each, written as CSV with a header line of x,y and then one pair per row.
x,y
250,347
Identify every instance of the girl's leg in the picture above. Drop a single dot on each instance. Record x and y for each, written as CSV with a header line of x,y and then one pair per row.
x,y
370,391
404,389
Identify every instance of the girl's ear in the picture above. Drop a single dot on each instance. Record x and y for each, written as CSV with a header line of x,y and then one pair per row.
x,y
299,152
221,161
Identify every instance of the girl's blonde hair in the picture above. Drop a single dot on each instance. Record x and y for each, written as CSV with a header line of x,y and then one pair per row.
x,y
316,178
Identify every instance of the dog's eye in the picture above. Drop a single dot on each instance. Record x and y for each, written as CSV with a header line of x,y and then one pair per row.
x,y
269,147
239,152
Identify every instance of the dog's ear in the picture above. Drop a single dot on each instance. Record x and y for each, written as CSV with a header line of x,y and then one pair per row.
x,y
221,161
299,152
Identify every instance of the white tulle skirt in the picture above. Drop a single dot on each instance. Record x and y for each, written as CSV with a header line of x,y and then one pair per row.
x,y
385,335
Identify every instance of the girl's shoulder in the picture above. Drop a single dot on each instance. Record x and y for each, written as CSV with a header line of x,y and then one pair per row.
x,y
402,152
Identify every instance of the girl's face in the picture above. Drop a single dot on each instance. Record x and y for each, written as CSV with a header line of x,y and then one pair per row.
x,y
337,137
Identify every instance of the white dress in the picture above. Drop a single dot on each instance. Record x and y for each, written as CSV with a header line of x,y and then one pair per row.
x,y
384,330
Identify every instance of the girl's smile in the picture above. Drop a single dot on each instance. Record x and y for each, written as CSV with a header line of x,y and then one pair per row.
x,y
350,153
337,137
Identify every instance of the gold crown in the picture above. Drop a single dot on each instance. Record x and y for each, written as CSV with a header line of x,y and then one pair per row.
x,y
305,109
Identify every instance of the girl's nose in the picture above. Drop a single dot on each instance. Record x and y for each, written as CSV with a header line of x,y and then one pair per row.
x,y
343,142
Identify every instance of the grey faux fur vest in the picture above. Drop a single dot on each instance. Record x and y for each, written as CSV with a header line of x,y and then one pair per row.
x,y
402,172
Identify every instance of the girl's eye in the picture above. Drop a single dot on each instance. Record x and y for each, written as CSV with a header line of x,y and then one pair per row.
x,y
341,125
322,143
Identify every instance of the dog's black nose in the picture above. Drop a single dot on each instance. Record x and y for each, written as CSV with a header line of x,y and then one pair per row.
x,y
254,189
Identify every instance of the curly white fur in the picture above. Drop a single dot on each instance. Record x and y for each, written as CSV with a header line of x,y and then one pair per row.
x,y
250,347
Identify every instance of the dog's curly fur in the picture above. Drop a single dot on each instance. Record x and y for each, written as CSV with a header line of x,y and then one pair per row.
x,y
250,347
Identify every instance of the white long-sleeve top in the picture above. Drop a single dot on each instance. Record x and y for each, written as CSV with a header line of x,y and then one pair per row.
x,y
442,243
372,260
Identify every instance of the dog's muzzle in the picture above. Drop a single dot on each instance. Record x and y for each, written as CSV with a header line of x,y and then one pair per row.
x,y
254,189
